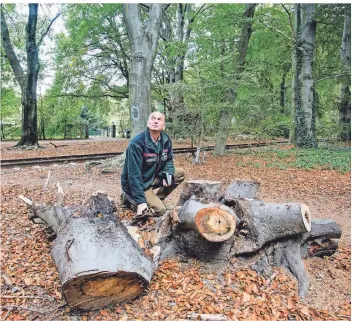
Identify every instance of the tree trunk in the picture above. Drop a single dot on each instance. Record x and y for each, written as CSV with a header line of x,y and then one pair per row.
x,y
143,37
304,80
98,261
27,83
286,69
345,93
230,96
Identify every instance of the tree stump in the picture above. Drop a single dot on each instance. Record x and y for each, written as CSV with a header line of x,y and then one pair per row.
x,y
201,189
241,189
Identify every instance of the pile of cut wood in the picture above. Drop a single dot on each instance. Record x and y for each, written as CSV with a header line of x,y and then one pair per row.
x,y
100,261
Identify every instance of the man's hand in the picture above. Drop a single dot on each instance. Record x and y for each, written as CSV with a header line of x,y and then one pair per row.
x,y
141,208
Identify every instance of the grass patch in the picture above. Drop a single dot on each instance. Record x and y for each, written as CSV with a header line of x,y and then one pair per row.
x,y
336,158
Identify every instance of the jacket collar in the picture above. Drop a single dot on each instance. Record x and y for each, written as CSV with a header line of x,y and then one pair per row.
x,y
149,141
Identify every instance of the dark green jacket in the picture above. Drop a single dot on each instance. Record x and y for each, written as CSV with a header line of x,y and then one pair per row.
x,y
143,164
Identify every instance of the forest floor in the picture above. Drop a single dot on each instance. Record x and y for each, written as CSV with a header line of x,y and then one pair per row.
x,y
30,285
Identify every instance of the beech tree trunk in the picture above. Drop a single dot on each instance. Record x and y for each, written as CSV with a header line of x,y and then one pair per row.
x,y
28,82
143,37
225,116
305,108
345,92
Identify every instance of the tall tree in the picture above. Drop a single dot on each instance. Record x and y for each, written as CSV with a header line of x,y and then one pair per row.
x,y
305,96
92,54
143,36
230,94
345,95
27,80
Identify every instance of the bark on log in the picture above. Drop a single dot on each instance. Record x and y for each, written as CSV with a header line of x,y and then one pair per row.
x,y
201,189
241,189
269,222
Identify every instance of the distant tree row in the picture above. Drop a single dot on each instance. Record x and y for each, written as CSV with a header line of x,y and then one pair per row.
x,y
265,70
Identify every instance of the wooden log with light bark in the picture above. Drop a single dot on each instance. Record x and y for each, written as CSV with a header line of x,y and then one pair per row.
x,y
266,222
98,261
203,230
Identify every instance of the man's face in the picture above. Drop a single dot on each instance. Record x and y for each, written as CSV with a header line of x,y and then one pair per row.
x,y
156,121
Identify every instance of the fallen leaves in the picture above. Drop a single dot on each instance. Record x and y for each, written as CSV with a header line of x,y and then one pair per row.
x,y
29,277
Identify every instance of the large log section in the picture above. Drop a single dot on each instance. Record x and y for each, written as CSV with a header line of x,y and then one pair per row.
x,y
99,263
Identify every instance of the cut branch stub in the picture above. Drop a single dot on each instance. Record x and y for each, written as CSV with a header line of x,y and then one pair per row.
x,y
199,234
215,222
201,189
241,189
215,225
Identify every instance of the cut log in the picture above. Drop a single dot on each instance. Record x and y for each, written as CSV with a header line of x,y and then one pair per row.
x,y
215,222
201,189
269,222
204,231
98,261
241,189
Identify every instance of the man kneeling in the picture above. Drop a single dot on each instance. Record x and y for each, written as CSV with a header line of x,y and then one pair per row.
x,y
149,165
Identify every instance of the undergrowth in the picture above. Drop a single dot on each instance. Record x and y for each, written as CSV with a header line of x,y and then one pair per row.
x,y
332,157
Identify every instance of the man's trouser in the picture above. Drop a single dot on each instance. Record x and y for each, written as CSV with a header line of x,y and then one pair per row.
x,y
155,201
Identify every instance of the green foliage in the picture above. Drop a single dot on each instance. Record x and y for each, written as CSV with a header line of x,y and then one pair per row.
x,y
329,157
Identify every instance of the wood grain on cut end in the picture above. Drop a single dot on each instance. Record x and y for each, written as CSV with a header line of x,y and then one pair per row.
x,y
306,216
89,292
215,225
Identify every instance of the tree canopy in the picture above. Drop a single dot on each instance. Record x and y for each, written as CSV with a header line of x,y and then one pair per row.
x,y
199,65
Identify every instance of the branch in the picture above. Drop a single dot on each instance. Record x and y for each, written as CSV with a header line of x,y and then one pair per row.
x,y
10,53
47,29
93,97
25,199
290,19
332,76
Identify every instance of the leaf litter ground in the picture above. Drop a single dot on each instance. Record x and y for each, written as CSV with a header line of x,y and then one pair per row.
x,y
30,285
